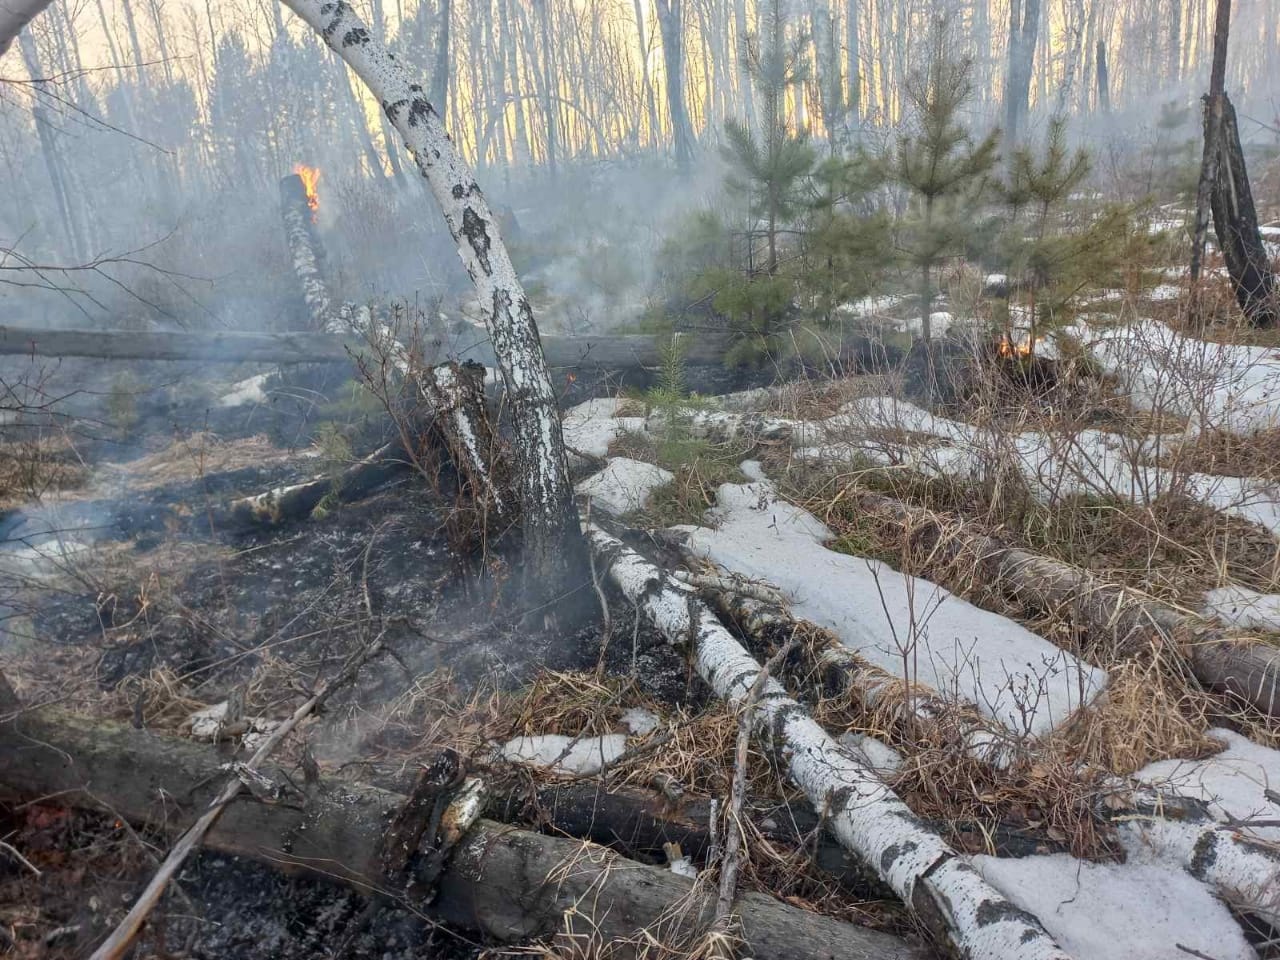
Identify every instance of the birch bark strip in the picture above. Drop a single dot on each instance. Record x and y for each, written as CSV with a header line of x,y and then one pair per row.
x,y
947,894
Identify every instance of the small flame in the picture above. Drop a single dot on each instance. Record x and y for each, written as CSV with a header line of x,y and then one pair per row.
x,y
310,182
1025,348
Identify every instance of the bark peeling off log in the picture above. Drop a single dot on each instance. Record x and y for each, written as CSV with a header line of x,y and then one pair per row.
x,y
954,902
507,882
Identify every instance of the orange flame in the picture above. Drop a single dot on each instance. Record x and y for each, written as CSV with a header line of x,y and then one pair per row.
x,y
1007,348
310,182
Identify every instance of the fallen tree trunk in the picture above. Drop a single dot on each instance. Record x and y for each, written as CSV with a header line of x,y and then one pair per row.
x,y
952,901
1182,830
508,883
613,352
296,501
1226,662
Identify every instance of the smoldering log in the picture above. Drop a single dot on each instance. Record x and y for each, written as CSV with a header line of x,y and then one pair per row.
x,y
296,501
510,884
1242,667
306,251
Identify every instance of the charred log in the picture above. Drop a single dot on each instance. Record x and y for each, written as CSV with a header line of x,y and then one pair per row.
x,y
297,501
510,884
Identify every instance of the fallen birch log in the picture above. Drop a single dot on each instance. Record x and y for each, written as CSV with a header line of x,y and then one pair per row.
x,y
1182,830
952,901
1226,662
508,883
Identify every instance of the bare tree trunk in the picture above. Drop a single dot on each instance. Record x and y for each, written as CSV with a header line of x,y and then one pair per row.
x,y
649,98
1175,41
440,67
741,29
1104,79
556,557
670,24
14,15
1024,34
1210,158
1235,221
853,59
825,55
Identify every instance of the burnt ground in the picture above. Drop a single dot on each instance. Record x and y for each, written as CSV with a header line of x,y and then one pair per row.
x,y
161,615
92,866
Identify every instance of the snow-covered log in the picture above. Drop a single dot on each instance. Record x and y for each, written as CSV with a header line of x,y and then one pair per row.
x,y
555,557
305,251
1178,828
955,904
1224,661
507,883
14,16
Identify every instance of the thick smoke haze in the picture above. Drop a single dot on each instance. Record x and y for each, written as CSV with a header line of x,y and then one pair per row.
x,y
143,142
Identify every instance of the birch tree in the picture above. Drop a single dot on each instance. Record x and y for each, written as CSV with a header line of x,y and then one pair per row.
x,y
555,552
14,15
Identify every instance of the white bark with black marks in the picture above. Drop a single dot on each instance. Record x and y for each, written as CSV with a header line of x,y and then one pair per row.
x,y
940,887
550,518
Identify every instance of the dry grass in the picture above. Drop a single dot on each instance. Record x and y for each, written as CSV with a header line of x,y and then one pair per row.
x,y
36,467
192,457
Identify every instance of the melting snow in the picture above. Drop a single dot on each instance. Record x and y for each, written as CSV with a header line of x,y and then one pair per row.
x,y
898,622
591,427
624,485
1235,783
1241,607
1118,911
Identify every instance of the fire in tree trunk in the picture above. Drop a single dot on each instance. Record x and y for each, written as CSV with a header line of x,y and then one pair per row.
x,y
556,558
298,213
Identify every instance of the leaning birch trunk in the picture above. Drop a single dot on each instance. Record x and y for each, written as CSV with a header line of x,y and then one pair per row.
x,y
307,254
14,16
555,551
1238,666
951,899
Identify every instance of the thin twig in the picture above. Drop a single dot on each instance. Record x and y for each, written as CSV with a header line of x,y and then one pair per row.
x,y
733,830
122,937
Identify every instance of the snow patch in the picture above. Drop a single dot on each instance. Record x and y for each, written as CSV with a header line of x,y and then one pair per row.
x,y
639,721
895,621
1241,607
624,485
590,427
1118,911
1235,783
